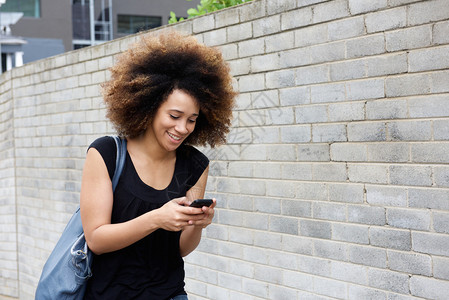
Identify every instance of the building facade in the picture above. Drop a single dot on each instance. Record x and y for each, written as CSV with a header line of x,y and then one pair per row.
x,y
51,27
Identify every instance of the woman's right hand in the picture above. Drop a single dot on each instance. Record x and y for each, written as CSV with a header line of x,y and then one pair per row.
x,y
176,214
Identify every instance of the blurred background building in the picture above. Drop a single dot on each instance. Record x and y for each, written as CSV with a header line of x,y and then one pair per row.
x,y
36,29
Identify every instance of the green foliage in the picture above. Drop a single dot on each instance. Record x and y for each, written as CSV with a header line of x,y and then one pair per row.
x,y
205,6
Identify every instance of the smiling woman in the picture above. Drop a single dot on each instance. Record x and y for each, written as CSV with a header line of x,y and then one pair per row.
x,y
167,94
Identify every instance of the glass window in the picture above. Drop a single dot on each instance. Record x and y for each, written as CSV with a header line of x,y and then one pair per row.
x,y
30,8
132,24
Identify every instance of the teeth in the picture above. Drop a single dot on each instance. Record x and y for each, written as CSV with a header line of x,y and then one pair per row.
x,y
174,137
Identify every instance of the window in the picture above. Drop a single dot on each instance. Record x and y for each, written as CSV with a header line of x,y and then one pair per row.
x,y
132,24
30,8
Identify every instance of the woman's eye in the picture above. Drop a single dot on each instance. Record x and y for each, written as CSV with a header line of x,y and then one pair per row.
x,y
192,121
174,117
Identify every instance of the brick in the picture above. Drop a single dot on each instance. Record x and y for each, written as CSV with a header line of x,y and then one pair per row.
x,y
251,10
431,243
267,240
297,280
411,175
311,74
239,32
440,267
409,131
296,18
330,11
296,134
312,265
267,205
281,189
240,66
365,46
366,131
329,172
251,83
267,170
297,171
268,274
254,152
440,81
429,198
294,96
311,35
357,7
441,176
329,133
349,193
331,249
388,152
388,280
313,152
411,263
333,92
296,208
297,244
427,59
252,188
294,58
229,51
421,286
313,228
280,79
348,152
346,28
328,52
281,153
284,225
203,23
266,26
390,238
365,89
265,135
408,219
280,292
386,20
241,236
353,69
440,33
311,114
432,106
349,273
350,233
279,42
427,11
331,288
265,99
277,6
265,62
430,152
251,47
329,211
386,195
441,222
280,116
362,292
368,173
387,64
409,38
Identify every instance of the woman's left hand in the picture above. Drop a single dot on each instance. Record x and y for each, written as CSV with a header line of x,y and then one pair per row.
x,y
208,215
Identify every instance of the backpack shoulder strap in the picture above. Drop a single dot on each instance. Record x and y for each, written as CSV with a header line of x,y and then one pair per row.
x,y
120,160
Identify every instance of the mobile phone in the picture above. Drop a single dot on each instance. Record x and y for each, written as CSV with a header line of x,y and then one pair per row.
x,y
201,203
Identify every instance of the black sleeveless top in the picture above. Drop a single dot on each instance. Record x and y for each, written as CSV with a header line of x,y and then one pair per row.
x,y
151,268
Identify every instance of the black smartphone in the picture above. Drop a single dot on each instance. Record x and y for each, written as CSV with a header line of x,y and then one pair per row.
x,y
201,203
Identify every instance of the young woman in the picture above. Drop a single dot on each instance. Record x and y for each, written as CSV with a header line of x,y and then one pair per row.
x,y
167,94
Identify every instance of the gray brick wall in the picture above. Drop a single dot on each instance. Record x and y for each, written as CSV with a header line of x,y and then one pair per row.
x,y
334,183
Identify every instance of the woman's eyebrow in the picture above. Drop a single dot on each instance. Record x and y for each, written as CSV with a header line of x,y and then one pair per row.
x,y
181,112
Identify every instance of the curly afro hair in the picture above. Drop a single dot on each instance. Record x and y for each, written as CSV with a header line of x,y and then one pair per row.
x,y
146,74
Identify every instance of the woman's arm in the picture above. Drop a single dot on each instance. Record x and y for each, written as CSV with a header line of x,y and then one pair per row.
x,y
191,235
96,209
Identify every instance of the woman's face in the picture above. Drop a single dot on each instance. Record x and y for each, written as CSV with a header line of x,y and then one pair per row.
x,y
175,120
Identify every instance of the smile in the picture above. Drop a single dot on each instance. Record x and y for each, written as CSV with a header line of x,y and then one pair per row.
x,y
176,138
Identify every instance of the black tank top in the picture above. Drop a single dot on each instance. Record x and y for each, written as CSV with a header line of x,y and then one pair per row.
x,y
151,268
